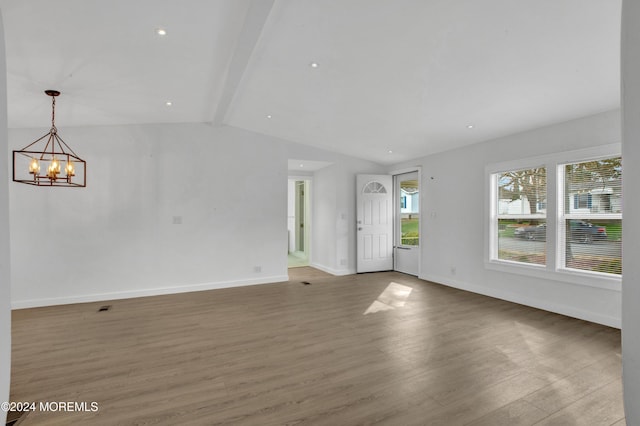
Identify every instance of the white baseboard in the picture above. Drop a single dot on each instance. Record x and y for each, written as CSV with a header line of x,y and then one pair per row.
x,y
100,297
337,272
523,300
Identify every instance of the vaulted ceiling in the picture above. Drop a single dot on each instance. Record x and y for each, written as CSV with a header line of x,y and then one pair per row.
x,y
384,80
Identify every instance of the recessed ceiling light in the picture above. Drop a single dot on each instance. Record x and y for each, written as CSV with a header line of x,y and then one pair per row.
x,y
313,65
269,116
470,126
161,31
390,152
301,165
168,103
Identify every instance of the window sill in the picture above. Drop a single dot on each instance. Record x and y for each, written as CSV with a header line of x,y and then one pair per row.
x,y
576,277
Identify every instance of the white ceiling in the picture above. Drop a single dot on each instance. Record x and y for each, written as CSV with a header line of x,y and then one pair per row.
x,y
407,76
307,165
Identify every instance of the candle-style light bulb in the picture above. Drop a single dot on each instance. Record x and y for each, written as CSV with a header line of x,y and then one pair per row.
x,y
69,169
54,169
34,167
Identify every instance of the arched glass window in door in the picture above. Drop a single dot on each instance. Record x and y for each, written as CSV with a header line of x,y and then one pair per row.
x,y
374,188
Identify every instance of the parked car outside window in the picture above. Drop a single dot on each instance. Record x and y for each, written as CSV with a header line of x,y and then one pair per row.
x,y
579,231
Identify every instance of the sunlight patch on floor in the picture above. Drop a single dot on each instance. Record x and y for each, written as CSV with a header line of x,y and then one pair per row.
x,y
394,296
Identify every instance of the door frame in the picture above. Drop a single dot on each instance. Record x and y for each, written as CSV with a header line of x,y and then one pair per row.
x,y
397,215
308,224
300,213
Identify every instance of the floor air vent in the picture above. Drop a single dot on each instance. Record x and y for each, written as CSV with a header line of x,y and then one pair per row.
x,y
104,308
305,283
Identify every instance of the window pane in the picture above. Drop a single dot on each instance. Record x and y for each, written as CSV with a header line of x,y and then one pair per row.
x,y
522,209
522,241
593,187
523,192
409,212
593,231
594,246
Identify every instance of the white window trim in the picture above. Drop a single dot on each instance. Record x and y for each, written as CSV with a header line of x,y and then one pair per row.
x,y
562,217
554,269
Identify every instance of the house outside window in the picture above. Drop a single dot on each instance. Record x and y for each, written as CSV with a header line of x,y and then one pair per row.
x,y
581,202
409,212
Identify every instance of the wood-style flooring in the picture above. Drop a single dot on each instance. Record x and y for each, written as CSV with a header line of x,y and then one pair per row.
x,y
293,354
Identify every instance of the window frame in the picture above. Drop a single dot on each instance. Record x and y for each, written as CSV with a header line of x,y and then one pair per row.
x,y
563,217
554,269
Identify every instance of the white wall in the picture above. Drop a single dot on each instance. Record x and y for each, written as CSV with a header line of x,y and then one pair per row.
x,y
334,215
333,206
631,200
291,213
454,235
5,294
117,237
323,247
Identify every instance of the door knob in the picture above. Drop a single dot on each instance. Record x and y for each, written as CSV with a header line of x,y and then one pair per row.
x,y
359,228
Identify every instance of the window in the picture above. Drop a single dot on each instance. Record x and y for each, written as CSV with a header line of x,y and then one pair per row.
x,y
521,215
582,201
590,228
409,209
566,224
374,188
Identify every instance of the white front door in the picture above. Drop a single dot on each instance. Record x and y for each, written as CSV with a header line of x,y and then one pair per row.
x,y
374,223
407,223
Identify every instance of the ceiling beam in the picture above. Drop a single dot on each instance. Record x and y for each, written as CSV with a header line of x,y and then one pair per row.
x,y
254,23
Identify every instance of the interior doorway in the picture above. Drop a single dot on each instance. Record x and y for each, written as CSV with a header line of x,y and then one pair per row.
x,y
298,222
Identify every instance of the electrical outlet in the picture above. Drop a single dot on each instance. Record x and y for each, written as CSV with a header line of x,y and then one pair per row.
x,y
177,220
257,269
343,262
453,270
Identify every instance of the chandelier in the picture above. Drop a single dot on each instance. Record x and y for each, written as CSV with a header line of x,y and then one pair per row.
x,y
55,164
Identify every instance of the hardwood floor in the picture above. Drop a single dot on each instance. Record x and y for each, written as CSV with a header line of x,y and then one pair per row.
x,y
290,353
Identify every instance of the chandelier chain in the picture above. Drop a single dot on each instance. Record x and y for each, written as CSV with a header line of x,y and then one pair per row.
x,y
53,114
